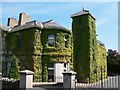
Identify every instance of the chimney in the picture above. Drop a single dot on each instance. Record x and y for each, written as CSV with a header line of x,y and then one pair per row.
x,y
12,22
23,18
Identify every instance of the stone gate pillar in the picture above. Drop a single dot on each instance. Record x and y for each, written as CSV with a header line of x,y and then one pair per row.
x,y
26,80
118,82
69,80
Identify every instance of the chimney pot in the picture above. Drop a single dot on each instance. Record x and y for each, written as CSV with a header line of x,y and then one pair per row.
x,y
12,22
23,18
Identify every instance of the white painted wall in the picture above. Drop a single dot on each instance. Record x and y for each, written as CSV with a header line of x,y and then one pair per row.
x,y
58,70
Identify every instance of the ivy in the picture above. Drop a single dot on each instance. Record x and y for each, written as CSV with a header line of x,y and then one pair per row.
x,y
35,54
57,53
87,54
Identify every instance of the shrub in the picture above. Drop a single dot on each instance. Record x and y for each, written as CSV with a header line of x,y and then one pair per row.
x,y
14,69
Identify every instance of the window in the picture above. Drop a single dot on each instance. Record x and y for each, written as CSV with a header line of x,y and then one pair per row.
x,y
66,41
18,40
51,40
66,45
51,65
51,72
50,75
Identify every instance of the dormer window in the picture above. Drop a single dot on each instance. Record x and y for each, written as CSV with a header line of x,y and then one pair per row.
x,y
51,40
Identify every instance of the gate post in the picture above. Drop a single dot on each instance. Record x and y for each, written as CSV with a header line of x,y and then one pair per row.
x,y
118,82
69,80
26,80
0,81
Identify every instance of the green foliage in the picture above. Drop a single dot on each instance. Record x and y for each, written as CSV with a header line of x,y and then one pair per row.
x,y
101,62
37,63
57,53
35,52
29,52
113,62
85,50
14,69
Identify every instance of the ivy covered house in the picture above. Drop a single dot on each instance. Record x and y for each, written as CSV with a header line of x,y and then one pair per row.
x,y
48,48
38,45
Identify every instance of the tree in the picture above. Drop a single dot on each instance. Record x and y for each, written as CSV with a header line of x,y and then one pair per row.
x,y
113,62
14,69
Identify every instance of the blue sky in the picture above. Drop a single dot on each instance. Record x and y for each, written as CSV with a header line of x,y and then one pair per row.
x,y
106,14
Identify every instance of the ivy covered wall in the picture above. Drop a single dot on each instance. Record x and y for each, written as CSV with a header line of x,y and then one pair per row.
x,y
28,51
57,53
81,46
86,52
33,50
102,61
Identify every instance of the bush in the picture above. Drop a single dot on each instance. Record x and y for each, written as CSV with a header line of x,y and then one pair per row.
x,y
113,62
14,70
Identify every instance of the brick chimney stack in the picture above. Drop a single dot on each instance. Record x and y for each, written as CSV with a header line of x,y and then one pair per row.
x,y
23,18
12,22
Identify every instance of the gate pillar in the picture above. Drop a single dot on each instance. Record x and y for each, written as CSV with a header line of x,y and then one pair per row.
x,y
26,80
69,80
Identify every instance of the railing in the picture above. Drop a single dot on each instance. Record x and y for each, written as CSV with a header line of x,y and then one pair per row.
x,y
58,79
110,82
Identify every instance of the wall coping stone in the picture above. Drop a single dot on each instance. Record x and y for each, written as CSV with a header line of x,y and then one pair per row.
x,y
27,72
69,72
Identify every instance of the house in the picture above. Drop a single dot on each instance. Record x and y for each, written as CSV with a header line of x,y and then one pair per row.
x,y
39,46
49,49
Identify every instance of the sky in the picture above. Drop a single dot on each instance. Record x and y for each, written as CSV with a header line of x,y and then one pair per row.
x,y
106,14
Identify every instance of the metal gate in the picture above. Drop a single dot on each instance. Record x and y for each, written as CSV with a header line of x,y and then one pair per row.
x,y
110,83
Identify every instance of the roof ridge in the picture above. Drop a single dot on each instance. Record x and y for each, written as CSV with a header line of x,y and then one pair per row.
x,y
48,21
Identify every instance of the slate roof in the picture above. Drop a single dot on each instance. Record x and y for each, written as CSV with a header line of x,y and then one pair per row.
x,y
43,25
51,25
83,12
4,28
27,25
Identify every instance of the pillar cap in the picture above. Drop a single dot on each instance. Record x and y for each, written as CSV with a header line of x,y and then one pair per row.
x,y
69,72
27,72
